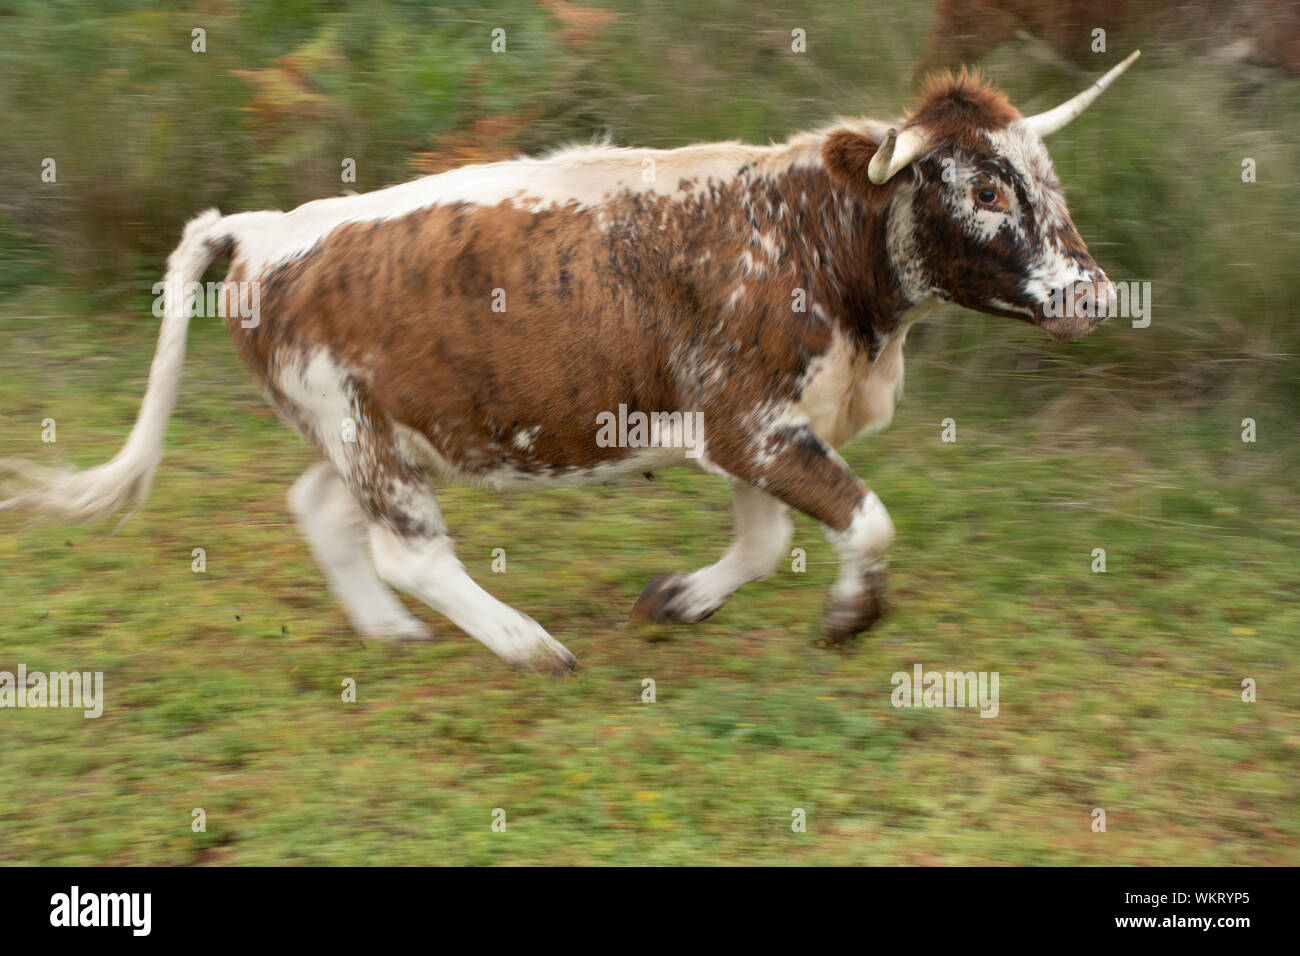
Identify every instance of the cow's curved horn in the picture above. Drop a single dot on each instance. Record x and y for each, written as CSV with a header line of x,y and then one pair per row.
x,y
894,153
1045,124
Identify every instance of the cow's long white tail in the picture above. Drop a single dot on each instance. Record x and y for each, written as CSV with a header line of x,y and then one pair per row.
x,y
77,496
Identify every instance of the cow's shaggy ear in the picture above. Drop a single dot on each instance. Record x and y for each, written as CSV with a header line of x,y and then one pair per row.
x,y
847,154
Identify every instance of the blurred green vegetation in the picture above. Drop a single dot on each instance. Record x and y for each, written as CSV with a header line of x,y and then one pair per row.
x,y
145,132
1118,690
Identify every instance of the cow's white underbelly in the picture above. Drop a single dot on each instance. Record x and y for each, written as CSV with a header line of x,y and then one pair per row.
x,y
507,477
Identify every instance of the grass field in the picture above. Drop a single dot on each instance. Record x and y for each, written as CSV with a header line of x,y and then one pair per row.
x,y
1119,691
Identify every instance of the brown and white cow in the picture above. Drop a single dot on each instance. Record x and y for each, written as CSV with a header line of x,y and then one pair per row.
x,y
482,324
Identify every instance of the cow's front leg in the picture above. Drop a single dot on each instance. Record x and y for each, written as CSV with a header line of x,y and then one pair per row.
x,y
856,595
762,534
793,465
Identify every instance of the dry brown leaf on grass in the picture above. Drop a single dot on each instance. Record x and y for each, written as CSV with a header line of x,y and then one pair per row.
x,y
488,139
578,25
281,92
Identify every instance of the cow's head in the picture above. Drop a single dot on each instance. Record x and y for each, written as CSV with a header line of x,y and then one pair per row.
x,y
976,213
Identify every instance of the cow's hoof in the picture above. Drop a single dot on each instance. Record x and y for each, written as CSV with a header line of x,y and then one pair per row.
x,y
556,665
405,629
847,618
669,598
550,657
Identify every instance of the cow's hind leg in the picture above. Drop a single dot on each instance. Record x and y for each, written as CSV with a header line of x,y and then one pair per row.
x,y
424,564
408,540
762,534
413,553
335,527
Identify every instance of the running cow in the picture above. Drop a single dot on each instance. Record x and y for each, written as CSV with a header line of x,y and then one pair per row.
x,y
603,311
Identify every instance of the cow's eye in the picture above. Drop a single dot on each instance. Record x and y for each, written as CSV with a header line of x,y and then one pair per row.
x,y
987,196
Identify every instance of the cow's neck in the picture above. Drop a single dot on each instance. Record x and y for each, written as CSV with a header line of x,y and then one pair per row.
x,y
799,227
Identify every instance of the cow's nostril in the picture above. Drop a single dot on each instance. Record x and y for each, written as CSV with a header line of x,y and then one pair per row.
x,y
1091,299
1102,298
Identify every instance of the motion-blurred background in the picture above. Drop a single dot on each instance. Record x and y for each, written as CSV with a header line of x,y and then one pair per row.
x,y
1120,690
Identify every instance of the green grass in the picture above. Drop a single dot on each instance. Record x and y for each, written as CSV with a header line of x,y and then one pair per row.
x,y
1118,690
